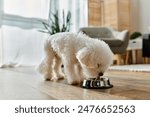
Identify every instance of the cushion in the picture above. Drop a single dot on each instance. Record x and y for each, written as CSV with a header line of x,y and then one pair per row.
x,y
120,35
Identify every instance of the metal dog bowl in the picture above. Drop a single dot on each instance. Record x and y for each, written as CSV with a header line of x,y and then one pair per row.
x,y
97,83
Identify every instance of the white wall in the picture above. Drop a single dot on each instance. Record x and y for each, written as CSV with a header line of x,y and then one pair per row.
x,y
144,15
140,15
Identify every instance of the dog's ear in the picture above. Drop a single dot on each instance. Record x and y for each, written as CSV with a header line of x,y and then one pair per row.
x,y
86,57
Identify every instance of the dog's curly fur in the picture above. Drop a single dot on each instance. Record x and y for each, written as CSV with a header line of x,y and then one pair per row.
x,y
82,57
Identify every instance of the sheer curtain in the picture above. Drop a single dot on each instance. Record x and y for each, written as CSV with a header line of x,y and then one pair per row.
x,y
21,44
78,9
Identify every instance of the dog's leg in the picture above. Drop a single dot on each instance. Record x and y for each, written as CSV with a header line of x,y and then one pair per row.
x,y
69,70
79,72
50,54
57,68
48,72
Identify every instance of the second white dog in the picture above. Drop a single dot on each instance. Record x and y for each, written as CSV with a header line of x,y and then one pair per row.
x,y
82,57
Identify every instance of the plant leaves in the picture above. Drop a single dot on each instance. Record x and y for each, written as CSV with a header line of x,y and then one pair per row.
x,y
53,25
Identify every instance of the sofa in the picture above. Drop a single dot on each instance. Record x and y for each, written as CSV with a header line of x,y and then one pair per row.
x,y
118,41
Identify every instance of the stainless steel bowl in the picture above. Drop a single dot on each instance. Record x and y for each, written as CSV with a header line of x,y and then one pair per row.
x,y
97,83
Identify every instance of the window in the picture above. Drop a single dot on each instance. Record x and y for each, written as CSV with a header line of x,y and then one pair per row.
x,y
25,13
27,8
20,42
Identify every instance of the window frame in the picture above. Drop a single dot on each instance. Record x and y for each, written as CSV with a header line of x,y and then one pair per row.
x,y
20,21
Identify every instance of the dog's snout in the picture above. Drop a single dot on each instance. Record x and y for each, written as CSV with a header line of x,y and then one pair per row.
x,y
100,74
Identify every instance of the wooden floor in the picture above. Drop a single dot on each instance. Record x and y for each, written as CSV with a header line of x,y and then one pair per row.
x,y
26,83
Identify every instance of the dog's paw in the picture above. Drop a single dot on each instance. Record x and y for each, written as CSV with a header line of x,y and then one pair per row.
x,y
56,78
73,82
59,75
47,77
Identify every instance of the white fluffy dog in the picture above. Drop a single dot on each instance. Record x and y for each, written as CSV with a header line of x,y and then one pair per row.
x,y
82,57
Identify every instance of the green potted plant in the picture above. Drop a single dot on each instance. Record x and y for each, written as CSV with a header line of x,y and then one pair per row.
x,y
135,35
54,24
